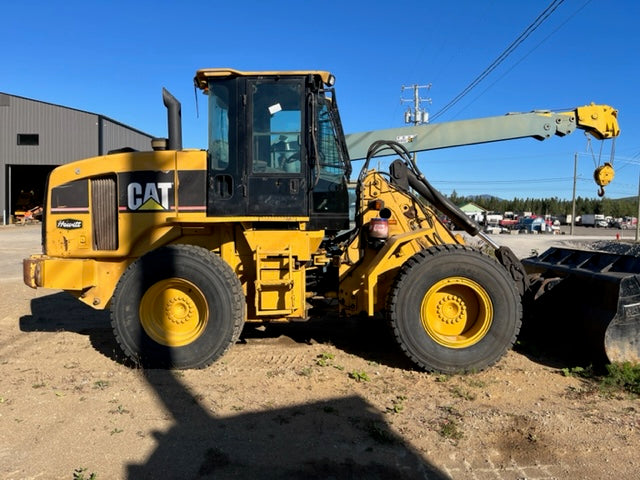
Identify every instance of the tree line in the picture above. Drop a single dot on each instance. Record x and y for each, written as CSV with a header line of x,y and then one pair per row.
x,y
552,206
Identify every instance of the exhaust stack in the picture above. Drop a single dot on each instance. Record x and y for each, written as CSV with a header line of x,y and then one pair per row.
x,y
174,120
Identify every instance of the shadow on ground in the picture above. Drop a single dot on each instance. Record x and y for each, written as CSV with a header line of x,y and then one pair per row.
x,y
60,312
345,438
552,334
367,338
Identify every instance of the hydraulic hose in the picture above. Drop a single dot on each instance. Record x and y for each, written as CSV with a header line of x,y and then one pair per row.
x,y
406,174
433,196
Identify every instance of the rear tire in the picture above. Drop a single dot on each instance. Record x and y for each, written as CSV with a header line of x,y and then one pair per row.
x,y
180,306
454,309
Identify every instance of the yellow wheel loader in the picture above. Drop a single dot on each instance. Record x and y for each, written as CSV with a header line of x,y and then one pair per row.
x,y
185,246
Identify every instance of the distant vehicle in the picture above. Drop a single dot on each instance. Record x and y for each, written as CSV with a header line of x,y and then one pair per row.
x,y
495,229
625,223
509,220
593,220
533,224
565,219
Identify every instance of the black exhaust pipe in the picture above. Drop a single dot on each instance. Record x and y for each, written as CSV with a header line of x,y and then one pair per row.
x,y
174,120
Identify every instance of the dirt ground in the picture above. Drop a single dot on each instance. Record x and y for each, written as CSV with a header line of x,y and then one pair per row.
x,y
326,399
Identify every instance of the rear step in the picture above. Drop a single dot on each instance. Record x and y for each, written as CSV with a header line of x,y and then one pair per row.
x,y
595,294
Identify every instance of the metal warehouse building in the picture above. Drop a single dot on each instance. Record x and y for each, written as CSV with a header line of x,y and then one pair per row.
x,y
35,137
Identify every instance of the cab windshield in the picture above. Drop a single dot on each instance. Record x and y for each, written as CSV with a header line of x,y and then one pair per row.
x,y
332,166
333,157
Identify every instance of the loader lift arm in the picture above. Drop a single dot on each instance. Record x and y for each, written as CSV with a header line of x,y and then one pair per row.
x,y
598,120
439,285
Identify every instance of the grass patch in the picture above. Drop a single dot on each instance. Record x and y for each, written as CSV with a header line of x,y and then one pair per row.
x,y
450,429
622,376
81,474
458,391
324,359
100,384
449,425
359,376
580,372
619,377
119,410
442,378
397,404
474,382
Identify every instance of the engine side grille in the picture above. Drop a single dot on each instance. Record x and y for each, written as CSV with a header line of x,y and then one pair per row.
x,y
104,213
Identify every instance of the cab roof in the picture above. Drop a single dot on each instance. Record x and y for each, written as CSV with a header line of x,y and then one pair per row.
x,y
202,75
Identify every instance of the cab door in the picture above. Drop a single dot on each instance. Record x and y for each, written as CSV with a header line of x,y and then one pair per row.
x,y
276,152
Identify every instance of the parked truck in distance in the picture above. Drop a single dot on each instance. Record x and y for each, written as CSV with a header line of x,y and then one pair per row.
x,y
625,223
509,220
593,220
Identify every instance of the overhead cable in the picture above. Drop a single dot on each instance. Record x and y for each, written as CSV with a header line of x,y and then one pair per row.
x,y
521,38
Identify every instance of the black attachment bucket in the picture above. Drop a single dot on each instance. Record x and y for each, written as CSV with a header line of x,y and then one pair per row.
x,y
587,300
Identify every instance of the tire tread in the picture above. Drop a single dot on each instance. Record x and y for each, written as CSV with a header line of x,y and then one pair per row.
x,y
201,255
425,256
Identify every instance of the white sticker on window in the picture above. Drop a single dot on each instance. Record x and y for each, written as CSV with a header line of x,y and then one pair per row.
x,y
273,109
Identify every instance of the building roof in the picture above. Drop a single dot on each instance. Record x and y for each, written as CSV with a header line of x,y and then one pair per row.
x,y
75,110
472,207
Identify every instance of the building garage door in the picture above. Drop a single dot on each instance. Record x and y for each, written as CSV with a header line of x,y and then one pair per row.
x,y
26,187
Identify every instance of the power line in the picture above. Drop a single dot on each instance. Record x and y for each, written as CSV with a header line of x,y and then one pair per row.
x,y
521,38
527,54
502,182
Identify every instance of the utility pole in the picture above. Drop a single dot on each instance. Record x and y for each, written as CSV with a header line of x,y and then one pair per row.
x,y
638,217
573,198
418,115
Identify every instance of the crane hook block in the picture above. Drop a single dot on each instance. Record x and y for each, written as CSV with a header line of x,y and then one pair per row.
x,y
603,176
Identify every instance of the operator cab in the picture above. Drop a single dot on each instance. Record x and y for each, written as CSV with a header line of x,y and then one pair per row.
x,y
276,147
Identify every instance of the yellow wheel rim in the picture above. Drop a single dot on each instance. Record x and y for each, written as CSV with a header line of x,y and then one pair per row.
x,y
174,312
456,312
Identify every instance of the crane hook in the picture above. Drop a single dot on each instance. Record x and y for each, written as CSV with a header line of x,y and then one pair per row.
x,y
603,176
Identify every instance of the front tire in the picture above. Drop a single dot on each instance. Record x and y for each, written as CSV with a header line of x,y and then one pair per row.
x,y
454,309
180,306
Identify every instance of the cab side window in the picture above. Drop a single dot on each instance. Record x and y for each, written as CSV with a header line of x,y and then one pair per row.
x,y
219,128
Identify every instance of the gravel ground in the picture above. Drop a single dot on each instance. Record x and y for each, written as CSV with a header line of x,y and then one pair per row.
x,y
328,398
526,245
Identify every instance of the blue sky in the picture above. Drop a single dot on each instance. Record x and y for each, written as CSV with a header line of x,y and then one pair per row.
x,y
114,57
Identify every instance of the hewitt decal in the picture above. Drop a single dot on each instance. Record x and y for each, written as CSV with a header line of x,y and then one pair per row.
x,y
69,224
